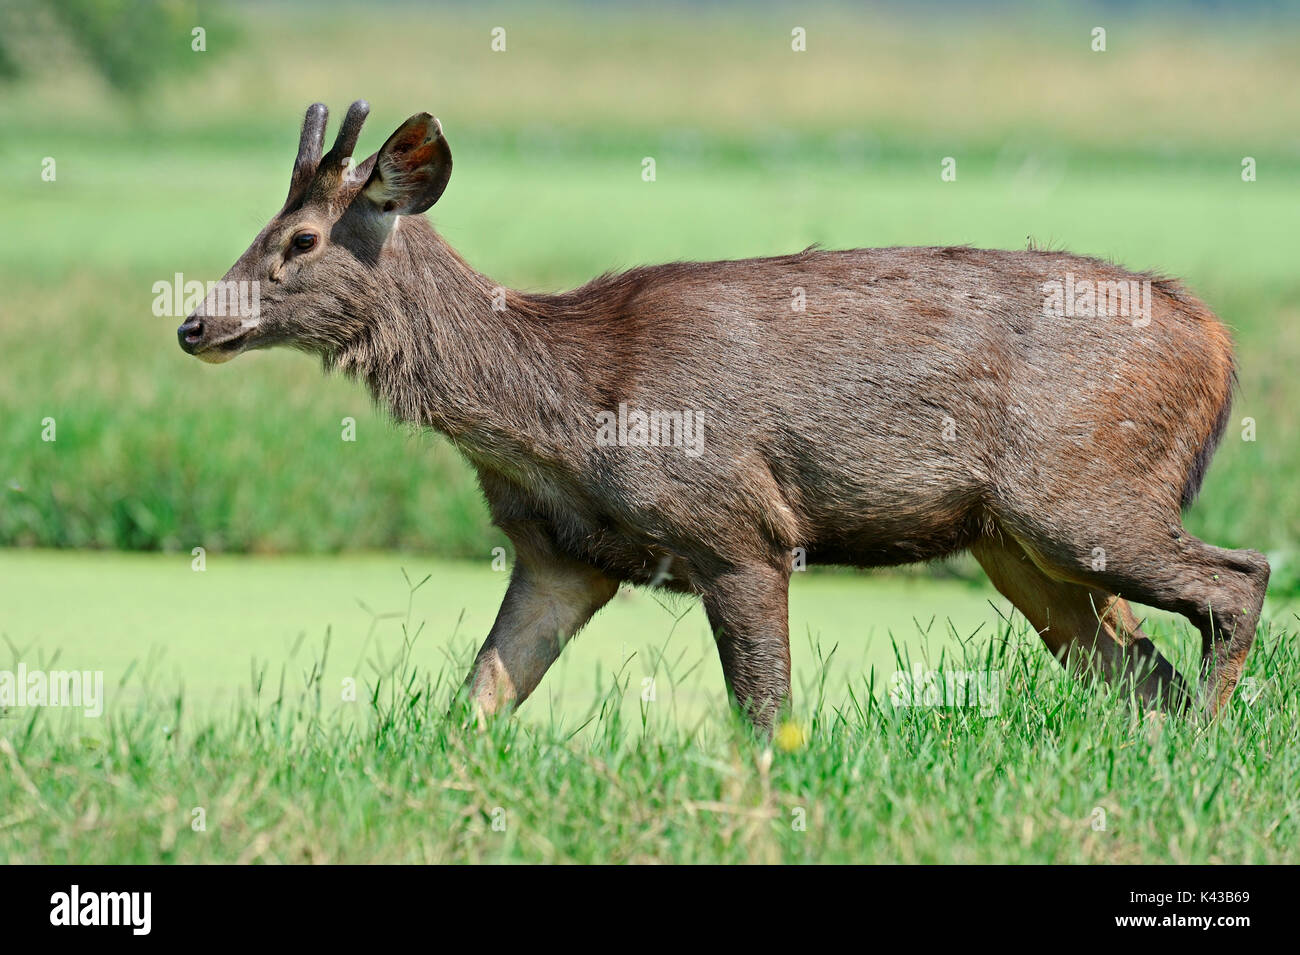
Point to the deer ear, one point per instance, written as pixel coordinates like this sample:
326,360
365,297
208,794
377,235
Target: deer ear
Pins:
411,169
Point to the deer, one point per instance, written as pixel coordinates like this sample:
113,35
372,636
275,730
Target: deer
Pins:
920,403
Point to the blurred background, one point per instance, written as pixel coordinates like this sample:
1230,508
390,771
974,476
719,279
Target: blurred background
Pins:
143,139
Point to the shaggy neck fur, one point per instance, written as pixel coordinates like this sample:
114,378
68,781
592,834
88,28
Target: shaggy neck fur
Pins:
452,350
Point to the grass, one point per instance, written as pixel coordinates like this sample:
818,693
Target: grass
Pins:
244,717
153,622
759,151
154,451
284,771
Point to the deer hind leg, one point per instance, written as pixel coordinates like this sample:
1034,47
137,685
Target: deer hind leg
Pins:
1228,626
1087,629
550,598
1150,559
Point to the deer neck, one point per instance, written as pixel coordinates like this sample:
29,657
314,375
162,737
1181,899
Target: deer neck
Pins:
460,353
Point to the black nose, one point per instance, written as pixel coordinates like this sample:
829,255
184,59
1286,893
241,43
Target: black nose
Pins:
190,334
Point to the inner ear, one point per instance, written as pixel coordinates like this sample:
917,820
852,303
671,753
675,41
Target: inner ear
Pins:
412,168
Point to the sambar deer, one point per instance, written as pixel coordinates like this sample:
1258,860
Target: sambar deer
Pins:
918,402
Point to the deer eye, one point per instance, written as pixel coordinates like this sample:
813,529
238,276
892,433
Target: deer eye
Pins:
304,241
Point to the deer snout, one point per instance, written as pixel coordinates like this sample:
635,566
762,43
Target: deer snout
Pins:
214,338
190,334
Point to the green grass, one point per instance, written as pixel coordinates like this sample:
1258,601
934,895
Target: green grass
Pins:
153,617
155,451
1132,154
240,715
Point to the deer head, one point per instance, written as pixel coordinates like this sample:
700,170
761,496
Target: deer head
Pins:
335,251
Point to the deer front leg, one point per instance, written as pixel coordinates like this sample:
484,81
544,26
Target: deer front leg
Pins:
549,600
747,608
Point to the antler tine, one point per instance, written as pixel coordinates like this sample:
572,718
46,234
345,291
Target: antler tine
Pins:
310,145
350,131
329,175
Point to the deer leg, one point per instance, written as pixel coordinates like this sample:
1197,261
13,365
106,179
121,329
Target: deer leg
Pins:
550,598
1085,628
1154,561
1227,617
747,609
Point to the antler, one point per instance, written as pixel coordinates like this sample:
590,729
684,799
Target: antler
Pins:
310,145
329,175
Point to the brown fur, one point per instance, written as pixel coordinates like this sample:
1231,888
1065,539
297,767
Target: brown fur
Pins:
920,404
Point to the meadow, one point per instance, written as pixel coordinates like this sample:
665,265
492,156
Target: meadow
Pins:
224,685
759,151
228,734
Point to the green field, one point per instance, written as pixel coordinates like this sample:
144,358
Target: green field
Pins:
224,693
164,627
759,151
224,687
